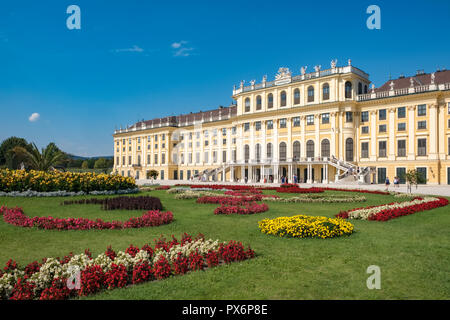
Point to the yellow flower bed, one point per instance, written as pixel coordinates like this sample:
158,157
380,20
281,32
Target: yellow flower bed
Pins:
302,226
21,180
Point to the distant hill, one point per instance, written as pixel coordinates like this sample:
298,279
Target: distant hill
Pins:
74,157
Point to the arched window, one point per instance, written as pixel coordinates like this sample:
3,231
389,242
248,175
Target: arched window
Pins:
360,88
310,94
269,151
326,91
296,150
270,101
365,88
258,152
246,152
325,148
296,96
247,104
349,149
310,149
282,151
283,99
348,89
258,103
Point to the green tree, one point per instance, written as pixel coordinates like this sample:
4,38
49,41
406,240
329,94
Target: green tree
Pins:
101,163
85,165
152,174
7,156
43,160
413,177
91,162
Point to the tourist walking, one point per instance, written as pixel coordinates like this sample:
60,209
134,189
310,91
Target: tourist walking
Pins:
387,183
396,182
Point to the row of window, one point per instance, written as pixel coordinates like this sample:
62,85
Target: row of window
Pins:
282,123
163,136
282,150
296,96
401,113
401,148
401,126
325,151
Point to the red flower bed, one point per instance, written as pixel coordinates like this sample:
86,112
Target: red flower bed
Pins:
357,190
247,208
16,217
229,200
93,278
296,189
288,185
249,192
389,214
162,188
228,187
121,203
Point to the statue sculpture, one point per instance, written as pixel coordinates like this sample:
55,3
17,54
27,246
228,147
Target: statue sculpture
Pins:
333,63
303,70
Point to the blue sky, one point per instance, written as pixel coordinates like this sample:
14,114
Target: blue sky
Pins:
136,60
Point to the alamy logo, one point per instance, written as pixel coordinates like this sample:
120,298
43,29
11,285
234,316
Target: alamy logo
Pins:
74,280
74,20
374,20
374,281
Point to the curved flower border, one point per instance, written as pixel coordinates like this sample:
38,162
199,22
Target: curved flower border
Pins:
82,275
16,217
394,210
324,199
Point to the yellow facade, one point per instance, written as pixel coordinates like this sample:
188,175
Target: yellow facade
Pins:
323,126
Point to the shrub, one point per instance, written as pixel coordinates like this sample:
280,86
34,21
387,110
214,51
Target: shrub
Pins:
248,208
21,180
122,203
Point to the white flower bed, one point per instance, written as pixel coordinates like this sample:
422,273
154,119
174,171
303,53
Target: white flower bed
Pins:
189,194
365,213
322,199
31,193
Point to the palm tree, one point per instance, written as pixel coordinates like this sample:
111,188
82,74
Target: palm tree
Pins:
40,160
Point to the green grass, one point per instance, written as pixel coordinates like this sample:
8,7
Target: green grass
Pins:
412,251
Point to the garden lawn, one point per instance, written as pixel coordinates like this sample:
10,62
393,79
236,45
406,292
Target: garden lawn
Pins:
412,251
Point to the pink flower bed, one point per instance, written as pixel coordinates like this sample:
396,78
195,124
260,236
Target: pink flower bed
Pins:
17,217
294,189
229,200
247,208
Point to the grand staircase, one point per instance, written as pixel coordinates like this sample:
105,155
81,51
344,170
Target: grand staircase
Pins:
348,172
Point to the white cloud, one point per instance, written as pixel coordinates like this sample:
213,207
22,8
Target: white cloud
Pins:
134,48
34,117
177,45
182,50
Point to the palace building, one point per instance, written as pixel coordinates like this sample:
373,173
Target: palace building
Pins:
324,126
